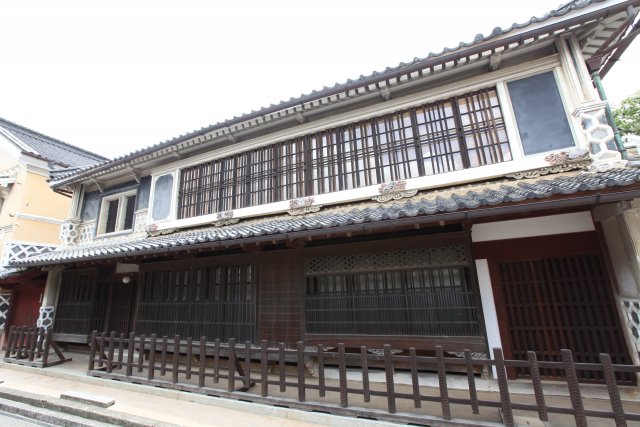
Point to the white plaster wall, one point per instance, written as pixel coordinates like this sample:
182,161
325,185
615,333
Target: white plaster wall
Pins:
620,256
531,227
488,307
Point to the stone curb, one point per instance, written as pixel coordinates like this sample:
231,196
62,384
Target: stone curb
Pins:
79,410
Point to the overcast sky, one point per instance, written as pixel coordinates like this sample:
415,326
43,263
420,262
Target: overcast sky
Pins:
116,76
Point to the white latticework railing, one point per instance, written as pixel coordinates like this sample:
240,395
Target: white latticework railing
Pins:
14,251
5,300
631,308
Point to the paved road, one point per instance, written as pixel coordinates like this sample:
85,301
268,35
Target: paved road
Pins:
12,420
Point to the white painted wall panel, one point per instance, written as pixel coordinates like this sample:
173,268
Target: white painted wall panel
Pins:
531,227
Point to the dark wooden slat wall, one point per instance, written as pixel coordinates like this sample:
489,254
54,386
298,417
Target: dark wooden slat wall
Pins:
281,298
553,292
81,302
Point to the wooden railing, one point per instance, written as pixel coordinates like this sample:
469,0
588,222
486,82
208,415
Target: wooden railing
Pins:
268,374
31,347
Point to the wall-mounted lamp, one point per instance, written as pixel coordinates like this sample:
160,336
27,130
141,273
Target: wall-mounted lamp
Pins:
126,279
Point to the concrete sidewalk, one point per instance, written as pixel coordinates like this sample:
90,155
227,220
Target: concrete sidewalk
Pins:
168,406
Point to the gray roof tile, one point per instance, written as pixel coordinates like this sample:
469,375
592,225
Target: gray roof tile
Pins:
387,73
465,198
49,149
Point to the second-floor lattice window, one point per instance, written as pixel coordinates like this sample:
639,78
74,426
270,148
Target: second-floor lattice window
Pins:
453,134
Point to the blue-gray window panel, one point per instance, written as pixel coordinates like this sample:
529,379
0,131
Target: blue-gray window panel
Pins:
542,121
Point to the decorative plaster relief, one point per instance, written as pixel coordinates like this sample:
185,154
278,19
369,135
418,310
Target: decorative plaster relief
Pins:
394,190
69,232
631,308
303,205
5,302
140,221
537,173
225,218
599,136
45,320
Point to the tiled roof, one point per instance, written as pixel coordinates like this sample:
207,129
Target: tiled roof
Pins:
46,148
457,202
8,272
417,65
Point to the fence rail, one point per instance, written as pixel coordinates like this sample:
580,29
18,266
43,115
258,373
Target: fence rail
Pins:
31,347
270,375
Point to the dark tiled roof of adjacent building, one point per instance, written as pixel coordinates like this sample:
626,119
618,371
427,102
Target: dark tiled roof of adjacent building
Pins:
453,203
405,68
46,148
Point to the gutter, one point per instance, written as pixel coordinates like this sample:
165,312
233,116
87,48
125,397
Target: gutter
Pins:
373,79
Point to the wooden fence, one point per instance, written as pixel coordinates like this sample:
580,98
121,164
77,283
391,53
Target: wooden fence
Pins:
31,347
280,376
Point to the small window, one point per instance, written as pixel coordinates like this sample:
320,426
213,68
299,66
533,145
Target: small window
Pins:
540,114
117,213
161,207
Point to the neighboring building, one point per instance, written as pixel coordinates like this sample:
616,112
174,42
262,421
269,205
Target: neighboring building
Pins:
30,213
474,198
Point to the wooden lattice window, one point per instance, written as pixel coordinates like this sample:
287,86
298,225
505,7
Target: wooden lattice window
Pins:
81,303
422,292
215,301
453,134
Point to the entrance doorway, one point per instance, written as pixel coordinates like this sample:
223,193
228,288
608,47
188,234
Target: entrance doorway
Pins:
554,302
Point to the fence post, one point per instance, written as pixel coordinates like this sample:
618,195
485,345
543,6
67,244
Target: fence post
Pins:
388,370
92,350
131,349
216,361
342,369
112,343
471,380
417,402
203,360
264,365
612,388
366,392
505,399
121,349
321,385
574,388
12,331
189,357
33,341
47,347
247,364
151,370
301,384
442,383
231,380
142,339
281,366
537,386
176,358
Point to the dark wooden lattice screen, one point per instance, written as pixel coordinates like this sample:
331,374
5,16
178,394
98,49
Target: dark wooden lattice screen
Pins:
81,303
452,134
562,302
215,301
408,292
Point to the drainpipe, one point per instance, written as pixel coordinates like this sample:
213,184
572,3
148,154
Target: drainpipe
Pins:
597,82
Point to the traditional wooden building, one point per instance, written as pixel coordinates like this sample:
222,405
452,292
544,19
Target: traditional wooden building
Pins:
31,214
473,198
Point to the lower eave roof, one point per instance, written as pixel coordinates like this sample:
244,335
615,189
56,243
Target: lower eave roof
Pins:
499,197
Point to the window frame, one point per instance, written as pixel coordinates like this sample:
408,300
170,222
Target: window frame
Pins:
497,79
512,127
174,172
120,215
